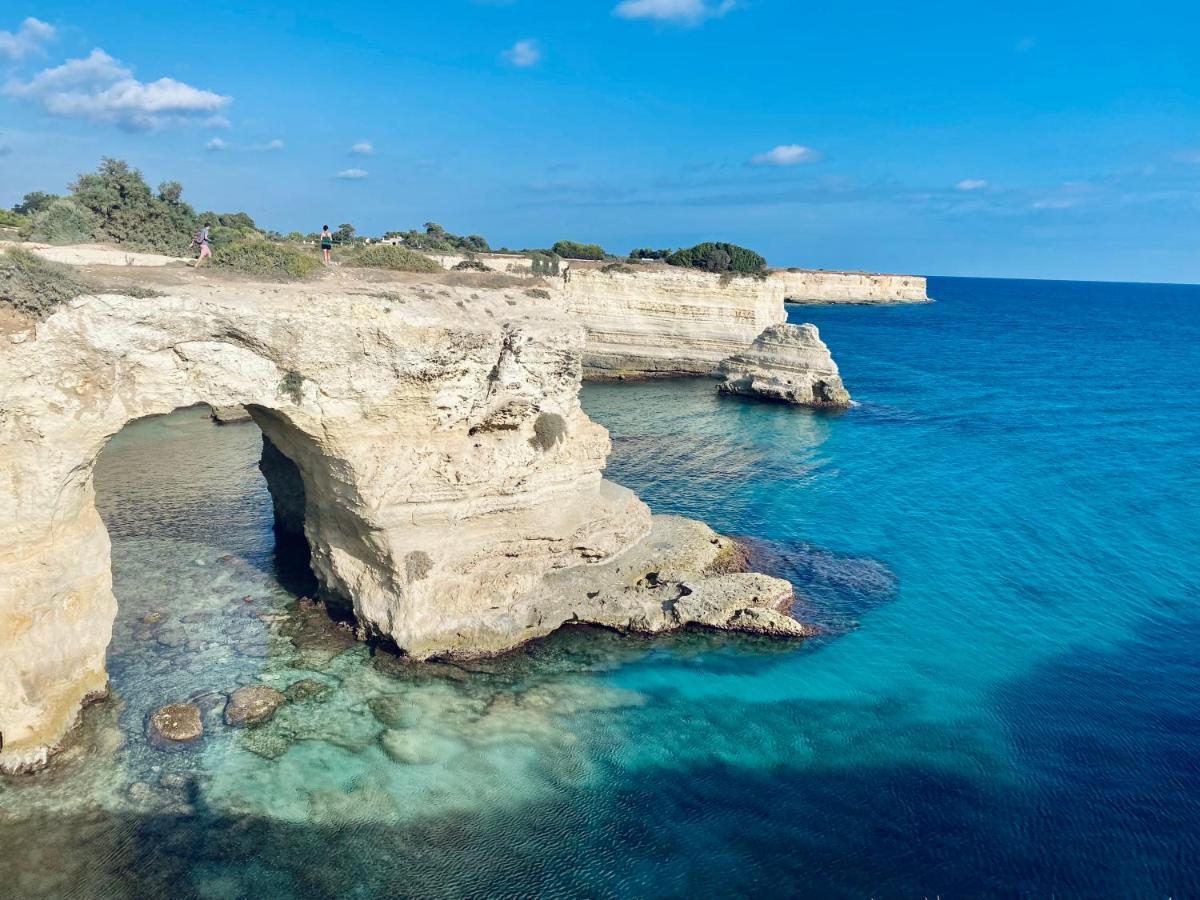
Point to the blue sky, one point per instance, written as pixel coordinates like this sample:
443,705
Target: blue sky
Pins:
1030,139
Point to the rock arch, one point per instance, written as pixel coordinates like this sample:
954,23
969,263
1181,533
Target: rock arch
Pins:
428,493
451,482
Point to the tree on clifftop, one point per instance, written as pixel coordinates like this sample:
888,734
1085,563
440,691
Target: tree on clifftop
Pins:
719,257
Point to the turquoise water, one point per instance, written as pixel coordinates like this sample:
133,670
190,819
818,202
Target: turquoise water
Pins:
1002,541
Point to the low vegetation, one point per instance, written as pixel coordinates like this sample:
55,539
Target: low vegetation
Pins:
470,265
576,250
719,257
436,238
539,293
391,256
648,253
255,256
541,263
35,286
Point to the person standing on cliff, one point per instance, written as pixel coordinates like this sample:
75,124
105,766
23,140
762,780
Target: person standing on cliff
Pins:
326,243
202,239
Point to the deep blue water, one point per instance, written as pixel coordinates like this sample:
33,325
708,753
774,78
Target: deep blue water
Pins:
1011,517
1001,540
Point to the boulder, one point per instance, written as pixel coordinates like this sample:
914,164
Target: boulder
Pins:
252,705
177,723
788,363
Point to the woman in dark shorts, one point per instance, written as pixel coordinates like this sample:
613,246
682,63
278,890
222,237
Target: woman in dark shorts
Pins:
326,243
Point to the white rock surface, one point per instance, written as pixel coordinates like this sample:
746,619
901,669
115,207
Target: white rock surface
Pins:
452,483
97,255
820,286
789,363
656,321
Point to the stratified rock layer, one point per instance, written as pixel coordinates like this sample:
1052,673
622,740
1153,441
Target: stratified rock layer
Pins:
451,483
789,363
819,286
665,321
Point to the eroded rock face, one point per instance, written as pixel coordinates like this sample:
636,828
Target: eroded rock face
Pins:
789,363
452,492
656,322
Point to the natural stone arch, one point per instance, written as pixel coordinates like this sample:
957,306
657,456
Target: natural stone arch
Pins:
413,434
452,489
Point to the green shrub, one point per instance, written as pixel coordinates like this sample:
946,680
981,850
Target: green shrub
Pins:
540,293
541,263
127,212
34,202
471,265
34,285
63,222
648,253
258,257
437,238
390,256
617,269
576,250
719,257
10,219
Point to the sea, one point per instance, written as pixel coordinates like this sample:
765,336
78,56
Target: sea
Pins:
1000,541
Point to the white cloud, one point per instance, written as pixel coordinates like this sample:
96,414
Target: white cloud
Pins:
786,155
352,173
276,144
971,184
26,40
363,148
100,89
524,54
215,144
679,12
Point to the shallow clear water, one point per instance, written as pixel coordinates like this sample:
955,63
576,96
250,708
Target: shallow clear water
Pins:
1002,541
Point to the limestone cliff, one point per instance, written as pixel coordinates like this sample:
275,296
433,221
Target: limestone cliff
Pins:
820,286
661,321
789,363
451,483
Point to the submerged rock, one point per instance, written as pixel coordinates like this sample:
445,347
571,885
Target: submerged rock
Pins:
177,722
789,363
252,705
305,689
229,415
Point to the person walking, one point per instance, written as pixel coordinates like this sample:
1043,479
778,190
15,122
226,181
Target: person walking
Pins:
202,239
326,243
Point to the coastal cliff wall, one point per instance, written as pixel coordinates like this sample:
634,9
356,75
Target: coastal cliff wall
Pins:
812,286
663,321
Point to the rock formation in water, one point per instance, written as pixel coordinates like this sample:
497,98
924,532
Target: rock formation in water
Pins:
176,723
664,321
789,363
230,415
252,704
820,286
451,484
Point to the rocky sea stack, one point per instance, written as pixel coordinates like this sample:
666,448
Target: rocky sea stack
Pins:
788,363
